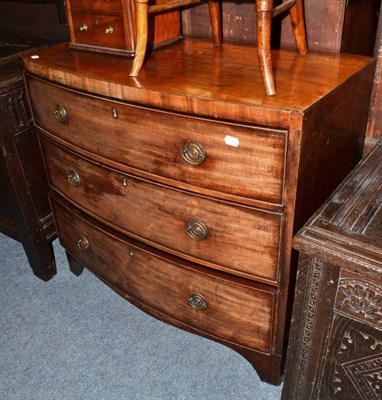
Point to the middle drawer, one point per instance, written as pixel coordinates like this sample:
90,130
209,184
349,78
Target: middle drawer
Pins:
238,239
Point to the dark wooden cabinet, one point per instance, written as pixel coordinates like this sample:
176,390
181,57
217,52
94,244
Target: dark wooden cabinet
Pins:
183,186
335,346
25,214
360,26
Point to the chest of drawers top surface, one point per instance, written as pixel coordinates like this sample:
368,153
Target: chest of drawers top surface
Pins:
195,77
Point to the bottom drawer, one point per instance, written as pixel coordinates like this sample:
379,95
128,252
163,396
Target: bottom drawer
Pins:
215,303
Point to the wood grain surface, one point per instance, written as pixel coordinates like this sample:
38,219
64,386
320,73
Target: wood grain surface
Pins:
242,240
236,312
241,161
195,77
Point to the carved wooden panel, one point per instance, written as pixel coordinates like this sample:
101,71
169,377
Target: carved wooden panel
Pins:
24,208
314,279
18,110
360,299
311,321
353,368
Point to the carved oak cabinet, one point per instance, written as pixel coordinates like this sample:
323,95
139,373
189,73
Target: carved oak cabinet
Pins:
181,189
25,214
335,347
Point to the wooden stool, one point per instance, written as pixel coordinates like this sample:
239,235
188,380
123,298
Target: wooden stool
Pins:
265,11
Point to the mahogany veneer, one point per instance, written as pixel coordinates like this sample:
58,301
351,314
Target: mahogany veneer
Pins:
183,187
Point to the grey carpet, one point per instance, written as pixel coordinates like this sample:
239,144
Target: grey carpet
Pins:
75,339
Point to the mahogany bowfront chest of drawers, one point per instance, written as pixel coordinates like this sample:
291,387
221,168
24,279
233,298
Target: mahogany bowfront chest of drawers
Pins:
181,189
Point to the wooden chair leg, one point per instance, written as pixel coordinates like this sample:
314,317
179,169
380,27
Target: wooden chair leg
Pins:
298,25
141,12
215,18
263,43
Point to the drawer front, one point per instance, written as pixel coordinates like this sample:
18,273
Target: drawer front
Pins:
238,239
235,312
97,6
99,30
241,161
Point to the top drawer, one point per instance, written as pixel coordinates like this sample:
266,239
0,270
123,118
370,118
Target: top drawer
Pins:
96,5
237,160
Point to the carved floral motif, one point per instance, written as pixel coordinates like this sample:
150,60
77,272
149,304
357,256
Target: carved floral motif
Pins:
360,299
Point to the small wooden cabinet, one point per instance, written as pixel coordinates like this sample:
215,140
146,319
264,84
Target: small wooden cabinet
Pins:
109,26
181,189
335,346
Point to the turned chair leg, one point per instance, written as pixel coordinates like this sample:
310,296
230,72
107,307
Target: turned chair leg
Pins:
264,13
142,12
214,10
263,43
142,15
298,25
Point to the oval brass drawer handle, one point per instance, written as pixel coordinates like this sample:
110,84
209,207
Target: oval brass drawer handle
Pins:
197,229
83,28
83,243
109,30
193,153
74,178
60,114
197,301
